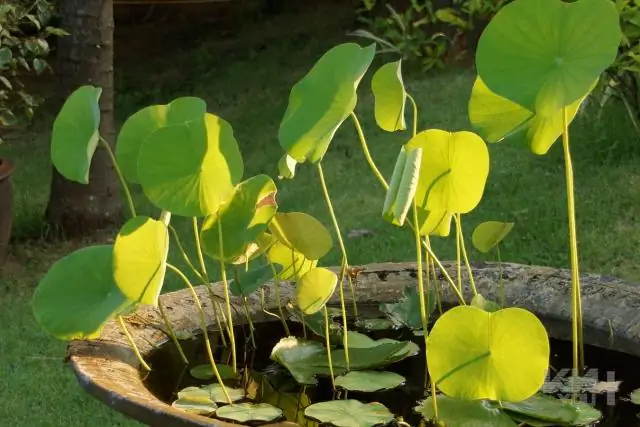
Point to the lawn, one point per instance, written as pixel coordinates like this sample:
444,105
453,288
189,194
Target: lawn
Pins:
246,81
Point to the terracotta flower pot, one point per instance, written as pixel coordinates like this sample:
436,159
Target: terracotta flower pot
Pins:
6,207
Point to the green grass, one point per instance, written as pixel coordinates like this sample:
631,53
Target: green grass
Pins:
247,82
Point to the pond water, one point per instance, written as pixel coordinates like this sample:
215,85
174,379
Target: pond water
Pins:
169,375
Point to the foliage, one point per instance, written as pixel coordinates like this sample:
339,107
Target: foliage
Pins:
25,28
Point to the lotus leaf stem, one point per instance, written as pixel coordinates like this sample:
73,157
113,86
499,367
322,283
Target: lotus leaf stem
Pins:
328,343
172,334
276,282
133,345
123,182
196,235
225,286
464,253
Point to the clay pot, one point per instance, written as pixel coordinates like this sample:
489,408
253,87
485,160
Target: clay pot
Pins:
6,207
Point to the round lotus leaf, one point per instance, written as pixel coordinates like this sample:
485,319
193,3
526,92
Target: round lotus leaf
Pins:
472,351
78,295
545,54
196,405
140,259
458,412
434,223
389,97
543,408
75,134
321,101
245,412
314,289
143,123
303,233
294,264
453,170
213,392
191,168
205,372
349,413
241,218
489,234
370,381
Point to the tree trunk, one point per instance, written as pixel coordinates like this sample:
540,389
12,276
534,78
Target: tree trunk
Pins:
86,57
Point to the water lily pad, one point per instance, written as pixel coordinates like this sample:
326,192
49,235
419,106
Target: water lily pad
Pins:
294,264
634,396
471,351
349,413
205,372
303,359
247,282
403,186
543,408
369,381
315,323
146,121
406,312
321,101
315,288
75,134
191,168
243,217
140,259
78,295
453,170
196,405
489,234
389,97
212,391
545,74
458,412
303,233
292,403
245,412
375,324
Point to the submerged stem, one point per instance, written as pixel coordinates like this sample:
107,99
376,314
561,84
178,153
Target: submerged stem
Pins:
328,342
123,182
172,334
216,312
276,282
578,350
464,254
225,285
203,325
133,345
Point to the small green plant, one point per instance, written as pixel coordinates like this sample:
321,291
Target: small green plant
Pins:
188,163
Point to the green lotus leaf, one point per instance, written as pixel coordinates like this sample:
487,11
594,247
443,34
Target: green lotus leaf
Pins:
191,168
453,170
212,391
245,412
205,372
484,304
403,186
389,97
146,121
247,282
76,134
370,381
303,359
459,412
286,167
321,101
78,295
406,312
196,405
294,264
545,54
258,247
242,218
546,409
314,289
303,233
140,259
489,234
349,413
472,353
436,223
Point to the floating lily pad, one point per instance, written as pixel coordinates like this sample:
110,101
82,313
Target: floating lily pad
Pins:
250,281
212,391
190,169
314,289
245,412
457,412
489,234
403,186
315,323
146,121
349,413
303,359
75,134
292,404
294,264
303,233
471,351
635,396
321,101
370,381
375,324
196,405
140,259
545,74
406,312
242,218
78,295
541,410
205,372
389,97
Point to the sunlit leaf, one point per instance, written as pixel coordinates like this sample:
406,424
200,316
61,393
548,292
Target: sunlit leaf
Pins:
205,372
546,73
212,391
75,134
242,218
389,97
143,123
321,101
140,259
196,405
314,289
403,186
294,264
286,167
457,412
245,412
303,233
303,359
255,249
472,351
489,234
349,413
369,381
635,396
437,223
190,169
78,295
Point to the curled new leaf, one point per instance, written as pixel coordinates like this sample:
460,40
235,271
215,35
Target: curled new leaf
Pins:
403,186
286,167
389,97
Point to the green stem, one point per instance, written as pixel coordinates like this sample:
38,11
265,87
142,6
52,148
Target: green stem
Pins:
133,345
248,315
225,285
278,296
263,305
367,154
203,325
464,253
172,334
296,274
345,335
578,349
502,290
328,342
458,257
216,312
415,114
423,308
123,182
185,257
196,234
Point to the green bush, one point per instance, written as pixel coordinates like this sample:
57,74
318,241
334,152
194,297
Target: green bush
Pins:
24,30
